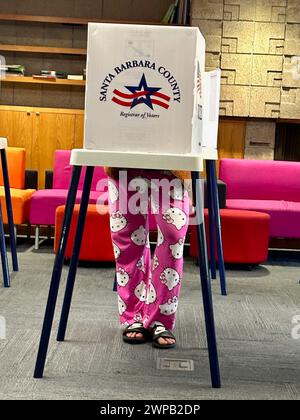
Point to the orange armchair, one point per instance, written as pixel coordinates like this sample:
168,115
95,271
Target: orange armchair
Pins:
20,197
96,241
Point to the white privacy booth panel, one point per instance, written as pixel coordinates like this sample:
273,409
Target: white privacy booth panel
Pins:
211,106
83,157
149,102
143,88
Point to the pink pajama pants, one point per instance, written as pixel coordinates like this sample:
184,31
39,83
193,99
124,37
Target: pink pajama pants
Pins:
148,288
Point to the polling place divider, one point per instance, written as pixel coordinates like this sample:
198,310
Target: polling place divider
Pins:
158,113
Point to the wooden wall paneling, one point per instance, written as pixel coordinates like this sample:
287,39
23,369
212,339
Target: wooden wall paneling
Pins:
114,10
30,33
45,8
77,96
22,133
231,138
136,10
42,49
79,36
79,131
55,131
27,94
35,150
16,126
6,93
6,125
57,35
8,33
8,6
153,10
87,8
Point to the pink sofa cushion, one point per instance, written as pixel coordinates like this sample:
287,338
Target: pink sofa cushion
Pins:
257,205
44,203
261,179
285,215
63,170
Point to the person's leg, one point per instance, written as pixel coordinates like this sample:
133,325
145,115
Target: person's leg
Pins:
129,234
167,267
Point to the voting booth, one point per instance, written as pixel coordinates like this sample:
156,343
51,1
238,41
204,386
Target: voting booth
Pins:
147,90
149,104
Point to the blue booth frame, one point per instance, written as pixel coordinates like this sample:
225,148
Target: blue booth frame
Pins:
215,232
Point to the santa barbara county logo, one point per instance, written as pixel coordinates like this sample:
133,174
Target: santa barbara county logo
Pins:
142,93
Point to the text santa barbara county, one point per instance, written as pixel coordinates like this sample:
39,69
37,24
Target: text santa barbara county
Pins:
144,64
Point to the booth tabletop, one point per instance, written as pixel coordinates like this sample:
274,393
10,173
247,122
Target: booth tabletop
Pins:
3,143
183,162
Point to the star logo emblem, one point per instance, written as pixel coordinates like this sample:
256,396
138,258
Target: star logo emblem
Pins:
143,93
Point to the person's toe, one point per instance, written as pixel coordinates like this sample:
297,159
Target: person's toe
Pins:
165,341
134,335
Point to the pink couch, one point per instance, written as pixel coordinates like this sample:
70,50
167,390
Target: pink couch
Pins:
271,187
45,202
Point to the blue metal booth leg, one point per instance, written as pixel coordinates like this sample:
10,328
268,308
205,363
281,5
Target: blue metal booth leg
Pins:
4,261
75,255
9,211
212,230
211,168
115,284
56,275
206,285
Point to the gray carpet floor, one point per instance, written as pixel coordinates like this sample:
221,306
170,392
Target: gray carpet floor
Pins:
259,359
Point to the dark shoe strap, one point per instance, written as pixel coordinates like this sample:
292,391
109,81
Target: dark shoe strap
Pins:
137,327
160,331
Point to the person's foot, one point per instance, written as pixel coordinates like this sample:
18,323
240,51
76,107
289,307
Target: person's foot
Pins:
162,337
135,333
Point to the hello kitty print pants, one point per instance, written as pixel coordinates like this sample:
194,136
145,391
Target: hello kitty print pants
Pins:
148,288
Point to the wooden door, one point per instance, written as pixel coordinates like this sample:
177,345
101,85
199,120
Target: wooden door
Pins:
17,127
231,139
6,125
79,131
51,131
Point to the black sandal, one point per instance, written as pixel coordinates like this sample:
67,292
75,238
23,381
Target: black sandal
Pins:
136,327
160,331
